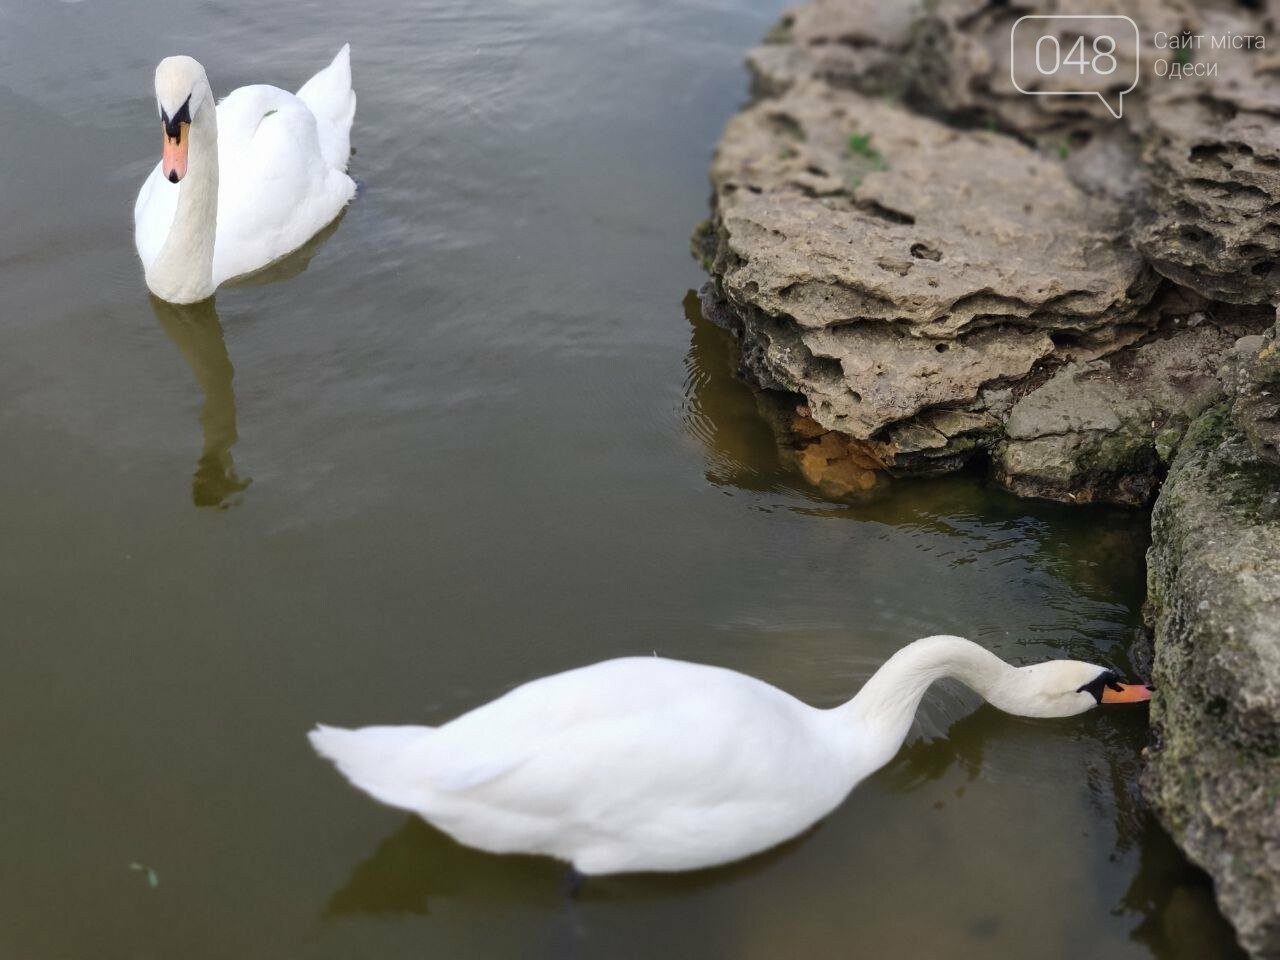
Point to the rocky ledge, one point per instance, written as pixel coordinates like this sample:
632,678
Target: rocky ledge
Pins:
925,269
1213,598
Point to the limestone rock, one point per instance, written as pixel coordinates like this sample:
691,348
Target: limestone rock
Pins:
1253,379
938,441
1214,604
834,208
1105,429
886,375
961,52
857,44
844,241
1213,161
1209,176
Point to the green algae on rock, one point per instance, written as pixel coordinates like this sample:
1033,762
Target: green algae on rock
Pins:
1214,604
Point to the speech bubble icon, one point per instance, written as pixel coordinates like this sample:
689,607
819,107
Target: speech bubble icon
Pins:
1075,55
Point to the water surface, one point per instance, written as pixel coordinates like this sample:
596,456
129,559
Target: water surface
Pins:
482,436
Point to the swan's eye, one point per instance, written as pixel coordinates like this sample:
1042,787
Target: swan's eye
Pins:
1108,678
173,125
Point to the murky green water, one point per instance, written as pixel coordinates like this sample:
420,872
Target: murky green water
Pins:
476,441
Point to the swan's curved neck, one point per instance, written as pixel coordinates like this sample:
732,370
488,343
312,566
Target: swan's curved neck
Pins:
182,272
883,709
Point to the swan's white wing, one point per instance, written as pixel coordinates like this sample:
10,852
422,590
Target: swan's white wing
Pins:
658,720
685,718
275,190
239,114
329,97
642,725
541,717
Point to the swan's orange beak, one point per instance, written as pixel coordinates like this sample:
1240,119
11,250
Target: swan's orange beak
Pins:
1128,693
173,162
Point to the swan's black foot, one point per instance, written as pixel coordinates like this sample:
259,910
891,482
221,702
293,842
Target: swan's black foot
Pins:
573,882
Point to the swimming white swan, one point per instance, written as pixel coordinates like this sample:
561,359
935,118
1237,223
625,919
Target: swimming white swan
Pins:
645,763
243,183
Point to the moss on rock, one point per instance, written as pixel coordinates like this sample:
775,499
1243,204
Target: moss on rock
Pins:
1213,602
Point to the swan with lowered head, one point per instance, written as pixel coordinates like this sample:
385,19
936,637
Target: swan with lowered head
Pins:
244,182
644,763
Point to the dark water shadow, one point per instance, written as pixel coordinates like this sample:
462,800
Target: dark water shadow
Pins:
720,410
197,333
1096,548
1170,899
417,863
1178,918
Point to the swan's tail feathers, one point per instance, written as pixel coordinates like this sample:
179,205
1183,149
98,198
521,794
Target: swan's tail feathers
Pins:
330,98
377,760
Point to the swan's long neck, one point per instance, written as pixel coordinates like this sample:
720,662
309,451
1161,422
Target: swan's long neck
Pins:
880,715
182,272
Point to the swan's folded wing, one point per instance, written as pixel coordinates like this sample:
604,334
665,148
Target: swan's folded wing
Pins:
457,773
276,190
330,98
680,731
241,112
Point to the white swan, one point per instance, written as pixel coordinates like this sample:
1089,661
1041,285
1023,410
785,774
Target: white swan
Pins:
645,763
243,183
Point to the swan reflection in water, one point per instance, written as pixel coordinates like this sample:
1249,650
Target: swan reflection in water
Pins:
197,333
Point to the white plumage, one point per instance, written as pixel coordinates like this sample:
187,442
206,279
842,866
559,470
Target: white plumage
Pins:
279,177
645,763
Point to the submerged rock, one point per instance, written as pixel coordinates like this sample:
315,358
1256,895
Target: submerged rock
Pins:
1214,604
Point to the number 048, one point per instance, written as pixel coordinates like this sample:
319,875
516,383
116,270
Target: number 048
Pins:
1103,62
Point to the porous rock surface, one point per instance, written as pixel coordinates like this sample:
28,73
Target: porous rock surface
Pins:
1106,429
1214,603
848,43
862,279
1199,156
1253,384
1211,156
925,268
